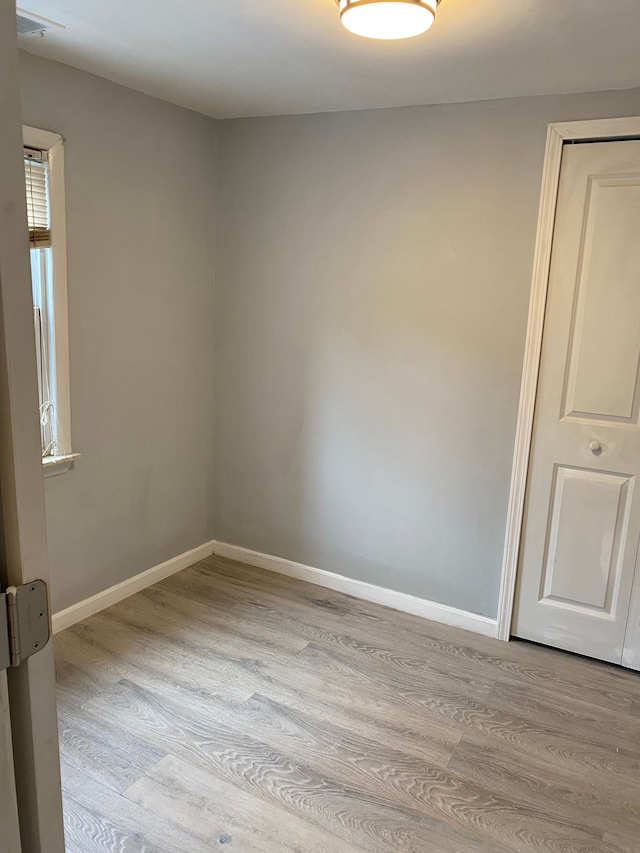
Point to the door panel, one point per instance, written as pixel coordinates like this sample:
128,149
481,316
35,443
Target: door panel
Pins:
589,522
582,514
612,226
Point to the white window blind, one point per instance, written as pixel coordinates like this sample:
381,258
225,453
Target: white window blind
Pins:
36,175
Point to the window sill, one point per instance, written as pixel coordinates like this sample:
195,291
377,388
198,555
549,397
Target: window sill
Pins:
54,465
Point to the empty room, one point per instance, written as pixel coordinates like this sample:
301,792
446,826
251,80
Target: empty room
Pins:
320,426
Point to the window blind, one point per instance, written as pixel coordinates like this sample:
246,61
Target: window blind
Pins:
36,175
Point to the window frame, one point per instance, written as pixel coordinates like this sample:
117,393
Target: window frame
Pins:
53,145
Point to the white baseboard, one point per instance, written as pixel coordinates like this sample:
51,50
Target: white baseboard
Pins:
360,589
83,609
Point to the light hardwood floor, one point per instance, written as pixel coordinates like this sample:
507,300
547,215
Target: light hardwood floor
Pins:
231,709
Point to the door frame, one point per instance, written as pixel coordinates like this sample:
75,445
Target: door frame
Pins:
8,798
558,134
30,686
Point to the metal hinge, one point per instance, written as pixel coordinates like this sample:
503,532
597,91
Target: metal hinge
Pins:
24,610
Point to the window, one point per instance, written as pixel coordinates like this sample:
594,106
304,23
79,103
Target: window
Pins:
44,180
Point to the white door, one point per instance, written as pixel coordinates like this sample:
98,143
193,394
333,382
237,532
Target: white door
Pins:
30,801
582,515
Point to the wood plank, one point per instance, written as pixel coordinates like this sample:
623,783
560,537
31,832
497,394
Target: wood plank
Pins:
576,796
569,712
149,657
98,820
211,578
326,600
262,611
193,623
112,756
223,814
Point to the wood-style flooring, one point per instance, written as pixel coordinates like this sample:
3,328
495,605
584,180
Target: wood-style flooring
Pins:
231,709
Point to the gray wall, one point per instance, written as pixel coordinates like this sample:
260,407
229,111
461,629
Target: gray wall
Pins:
372,281
140,219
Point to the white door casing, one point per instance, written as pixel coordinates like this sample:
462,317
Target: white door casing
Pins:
582,518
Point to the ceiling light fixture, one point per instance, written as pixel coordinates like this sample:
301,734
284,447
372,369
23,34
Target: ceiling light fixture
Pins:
387,19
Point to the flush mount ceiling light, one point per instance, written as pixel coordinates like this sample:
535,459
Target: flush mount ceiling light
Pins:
387,19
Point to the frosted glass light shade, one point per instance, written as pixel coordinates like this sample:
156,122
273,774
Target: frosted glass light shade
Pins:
387,19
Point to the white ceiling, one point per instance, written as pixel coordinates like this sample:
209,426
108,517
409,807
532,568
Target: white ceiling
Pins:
230,58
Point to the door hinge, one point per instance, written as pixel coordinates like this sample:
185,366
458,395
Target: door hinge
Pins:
24,610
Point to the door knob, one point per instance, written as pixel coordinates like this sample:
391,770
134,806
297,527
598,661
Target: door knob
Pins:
595,446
